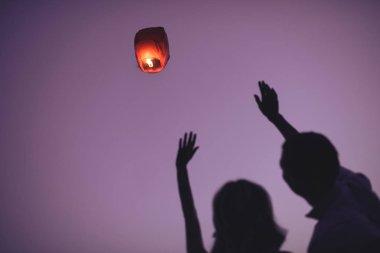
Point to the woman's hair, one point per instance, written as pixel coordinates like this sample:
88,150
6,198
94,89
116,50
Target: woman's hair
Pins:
243,219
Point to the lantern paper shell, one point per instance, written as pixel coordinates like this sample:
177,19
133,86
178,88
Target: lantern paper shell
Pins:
152,49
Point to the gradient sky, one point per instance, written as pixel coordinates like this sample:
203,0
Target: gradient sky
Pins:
88,141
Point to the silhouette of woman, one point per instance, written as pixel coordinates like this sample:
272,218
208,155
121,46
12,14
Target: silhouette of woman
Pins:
242,213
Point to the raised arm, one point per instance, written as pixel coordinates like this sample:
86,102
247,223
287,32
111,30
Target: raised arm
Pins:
268,105
186,151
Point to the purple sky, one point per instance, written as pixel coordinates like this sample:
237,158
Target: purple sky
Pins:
88,141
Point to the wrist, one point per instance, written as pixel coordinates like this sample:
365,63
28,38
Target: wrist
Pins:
275,118
181,167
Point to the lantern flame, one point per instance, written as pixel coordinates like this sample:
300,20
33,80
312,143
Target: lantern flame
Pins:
149,62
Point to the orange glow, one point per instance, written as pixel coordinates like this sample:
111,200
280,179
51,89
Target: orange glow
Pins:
152,49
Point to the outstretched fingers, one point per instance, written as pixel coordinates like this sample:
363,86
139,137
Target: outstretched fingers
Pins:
266,92
264,88
192,142
191,139
184,143
263,92
188,141
258,101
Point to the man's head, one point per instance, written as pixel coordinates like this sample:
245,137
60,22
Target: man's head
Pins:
310,165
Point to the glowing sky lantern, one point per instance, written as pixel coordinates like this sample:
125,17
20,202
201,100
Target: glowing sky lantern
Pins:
152,49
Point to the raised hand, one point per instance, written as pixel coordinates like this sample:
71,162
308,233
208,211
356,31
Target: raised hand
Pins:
268,104
186,150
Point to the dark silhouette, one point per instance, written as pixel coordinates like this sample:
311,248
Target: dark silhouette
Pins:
242,213
343,203
303,169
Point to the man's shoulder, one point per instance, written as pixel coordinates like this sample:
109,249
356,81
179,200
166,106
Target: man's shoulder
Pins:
351,220
343,223
357,178
344,232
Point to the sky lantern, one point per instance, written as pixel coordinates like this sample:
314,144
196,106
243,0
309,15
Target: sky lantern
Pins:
152,49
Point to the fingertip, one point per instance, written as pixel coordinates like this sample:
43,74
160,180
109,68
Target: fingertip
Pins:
262,87
257,99
184,142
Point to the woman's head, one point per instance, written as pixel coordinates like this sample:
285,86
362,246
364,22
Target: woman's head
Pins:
243,219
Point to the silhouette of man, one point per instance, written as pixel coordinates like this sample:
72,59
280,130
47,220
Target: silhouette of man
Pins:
343,203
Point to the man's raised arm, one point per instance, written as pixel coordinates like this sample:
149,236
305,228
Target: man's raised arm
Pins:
268,105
